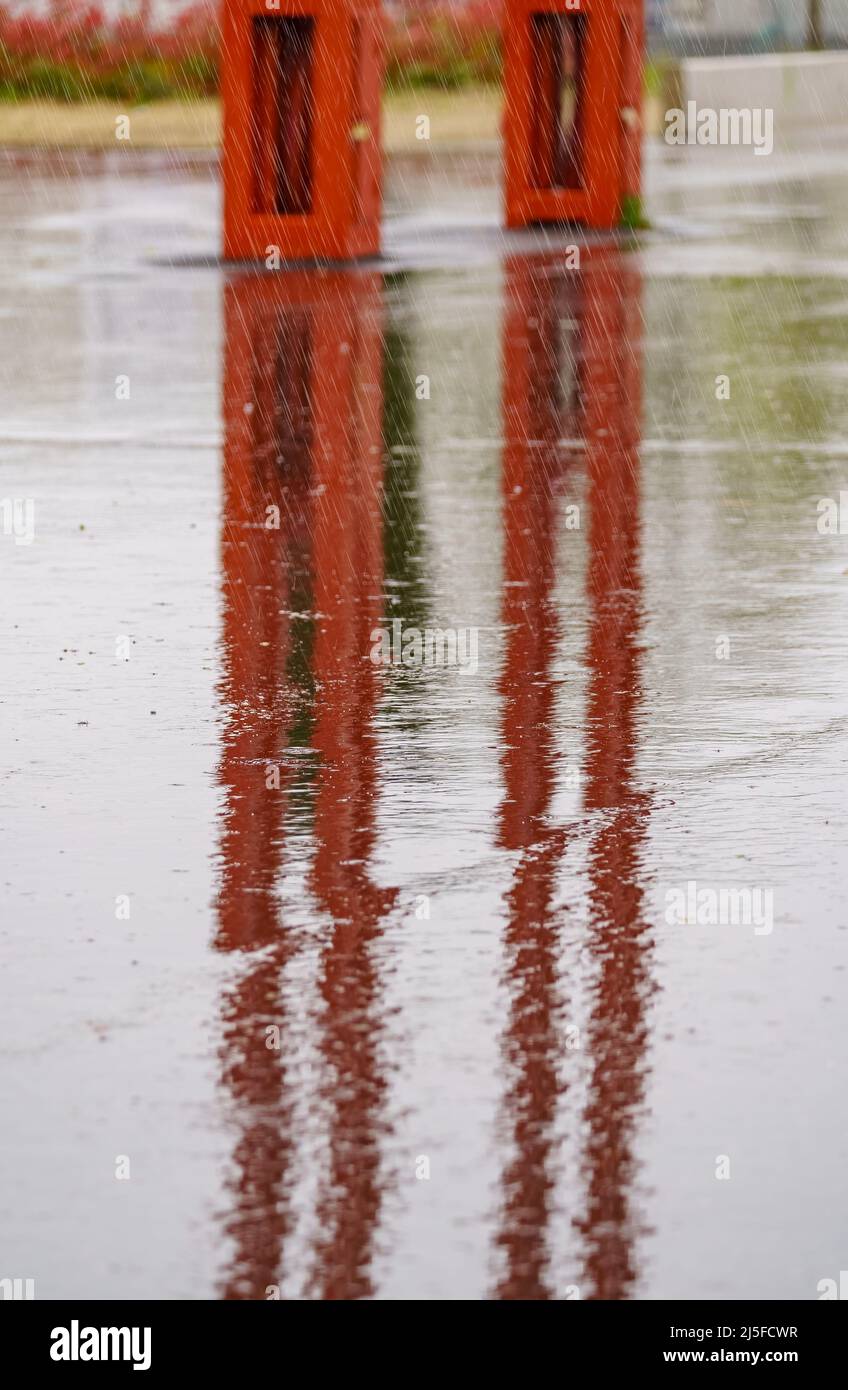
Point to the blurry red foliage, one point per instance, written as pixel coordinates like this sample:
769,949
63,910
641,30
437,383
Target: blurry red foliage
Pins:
79,54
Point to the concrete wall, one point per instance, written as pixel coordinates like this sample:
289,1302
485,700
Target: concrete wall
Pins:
800,88
713,26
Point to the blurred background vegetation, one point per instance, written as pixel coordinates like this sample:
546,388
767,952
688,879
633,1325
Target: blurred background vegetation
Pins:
78,54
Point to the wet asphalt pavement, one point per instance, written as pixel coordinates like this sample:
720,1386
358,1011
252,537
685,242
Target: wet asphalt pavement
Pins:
344,977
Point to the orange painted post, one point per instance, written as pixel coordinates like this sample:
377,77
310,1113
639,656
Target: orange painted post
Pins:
573,105
301,84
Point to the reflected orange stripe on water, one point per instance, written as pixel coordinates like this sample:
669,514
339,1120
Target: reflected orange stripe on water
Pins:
303,422
588,388
303,406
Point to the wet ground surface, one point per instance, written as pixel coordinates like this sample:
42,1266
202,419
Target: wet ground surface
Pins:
366,974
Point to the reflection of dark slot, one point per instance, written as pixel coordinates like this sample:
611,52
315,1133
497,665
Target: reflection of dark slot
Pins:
570,371
282,132
294,400
282,401
558,72
554,394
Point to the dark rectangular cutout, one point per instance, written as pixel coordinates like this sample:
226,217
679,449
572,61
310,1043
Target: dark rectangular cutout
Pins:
282,115
559,50
358,131
282,423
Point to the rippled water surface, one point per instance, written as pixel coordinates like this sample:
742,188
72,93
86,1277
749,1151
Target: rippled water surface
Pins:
366,971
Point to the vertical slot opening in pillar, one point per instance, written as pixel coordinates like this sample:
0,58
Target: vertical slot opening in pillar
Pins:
558,45
282,115
359,127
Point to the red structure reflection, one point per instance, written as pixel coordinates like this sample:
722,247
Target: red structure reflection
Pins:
538,403
302,565
571,372
620,941
348,594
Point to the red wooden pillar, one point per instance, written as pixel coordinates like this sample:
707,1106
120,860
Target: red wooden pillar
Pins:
572,127
300,85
